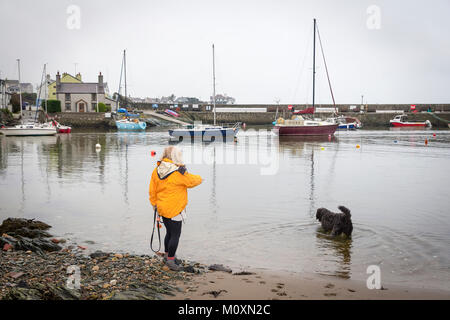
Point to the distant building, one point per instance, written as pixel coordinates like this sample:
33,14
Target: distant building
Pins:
82,96
169,99
12,86
223,99
189,100
5,96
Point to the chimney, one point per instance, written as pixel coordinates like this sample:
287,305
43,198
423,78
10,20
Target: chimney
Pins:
78,76
58,79
100,82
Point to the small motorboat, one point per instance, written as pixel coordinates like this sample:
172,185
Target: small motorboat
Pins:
61,128
348,123
402,121
172,113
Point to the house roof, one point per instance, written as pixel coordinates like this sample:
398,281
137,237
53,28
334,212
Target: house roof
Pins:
85,87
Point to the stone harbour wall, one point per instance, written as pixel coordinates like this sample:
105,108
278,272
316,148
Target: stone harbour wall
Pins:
84,119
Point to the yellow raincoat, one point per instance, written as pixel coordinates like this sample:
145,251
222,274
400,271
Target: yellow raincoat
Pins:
168,188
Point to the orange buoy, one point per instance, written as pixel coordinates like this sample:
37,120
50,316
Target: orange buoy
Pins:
358,146
426,141
153,153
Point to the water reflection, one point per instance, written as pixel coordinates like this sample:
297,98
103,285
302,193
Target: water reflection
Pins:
213,199
103,197
337,249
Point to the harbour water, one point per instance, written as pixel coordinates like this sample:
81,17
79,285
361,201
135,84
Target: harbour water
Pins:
256,206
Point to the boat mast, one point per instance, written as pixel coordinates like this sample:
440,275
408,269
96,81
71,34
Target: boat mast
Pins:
314,66
120,86
20,90
45,88
214,86
38,95
125,74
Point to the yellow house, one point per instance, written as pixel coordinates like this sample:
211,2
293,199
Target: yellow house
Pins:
65,78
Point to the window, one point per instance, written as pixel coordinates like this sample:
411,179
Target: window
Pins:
68,107
67,96
94,106
94,97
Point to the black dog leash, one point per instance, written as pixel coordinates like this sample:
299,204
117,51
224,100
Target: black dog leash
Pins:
158,225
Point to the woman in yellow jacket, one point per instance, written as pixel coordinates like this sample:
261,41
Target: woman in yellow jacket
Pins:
168,194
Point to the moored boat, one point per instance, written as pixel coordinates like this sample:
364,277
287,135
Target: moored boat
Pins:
172,113
348,123
29,129
402,121
130,122
60,128
299,126
131,125
205,132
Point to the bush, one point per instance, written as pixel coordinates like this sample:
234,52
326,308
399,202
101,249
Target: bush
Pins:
53,106
101,107
6,112
15,102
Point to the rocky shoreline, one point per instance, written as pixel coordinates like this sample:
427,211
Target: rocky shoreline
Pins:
35,267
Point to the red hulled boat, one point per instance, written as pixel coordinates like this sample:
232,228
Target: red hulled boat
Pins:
297,125
402,121
61,128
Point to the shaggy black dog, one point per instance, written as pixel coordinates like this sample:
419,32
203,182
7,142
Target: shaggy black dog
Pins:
336,222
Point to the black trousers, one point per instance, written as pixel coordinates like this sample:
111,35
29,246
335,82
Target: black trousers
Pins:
173,232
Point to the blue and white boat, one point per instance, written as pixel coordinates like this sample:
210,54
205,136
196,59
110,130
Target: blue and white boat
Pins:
131,125
346,123
129,121
206,132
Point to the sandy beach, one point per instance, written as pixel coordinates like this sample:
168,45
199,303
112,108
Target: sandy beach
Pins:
266,285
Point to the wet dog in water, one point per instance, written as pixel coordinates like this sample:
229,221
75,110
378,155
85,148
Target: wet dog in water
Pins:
336,222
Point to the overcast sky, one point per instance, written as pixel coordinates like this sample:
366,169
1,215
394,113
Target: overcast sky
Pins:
391,51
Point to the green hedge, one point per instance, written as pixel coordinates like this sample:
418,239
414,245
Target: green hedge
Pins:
52,106
15,102
103,107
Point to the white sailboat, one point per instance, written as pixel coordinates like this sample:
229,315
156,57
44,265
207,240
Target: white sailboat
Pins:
206,132
30,128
